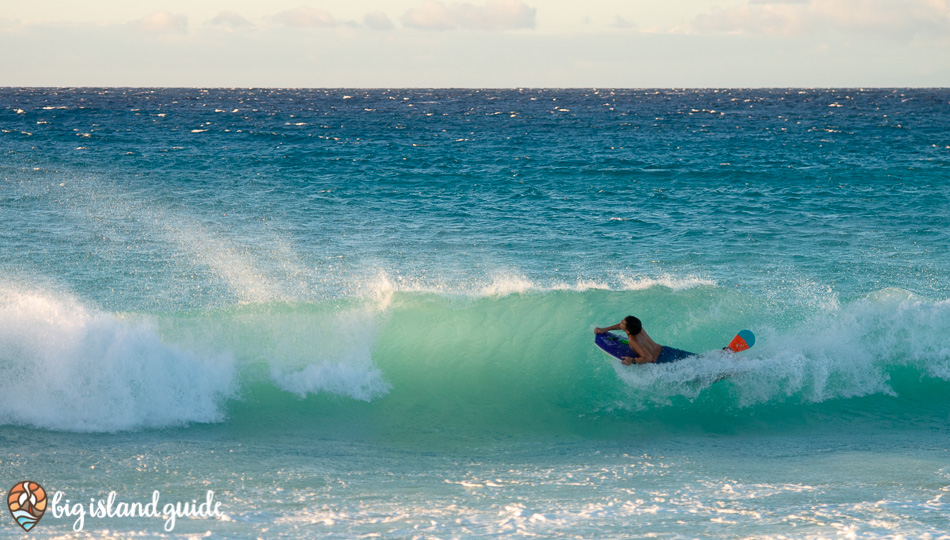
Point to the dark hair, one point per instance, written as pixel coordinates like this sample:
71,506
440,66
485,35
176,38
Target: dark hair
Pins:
634,326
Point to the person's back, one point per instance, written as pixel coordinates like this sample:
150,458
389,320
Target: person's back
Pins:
647,345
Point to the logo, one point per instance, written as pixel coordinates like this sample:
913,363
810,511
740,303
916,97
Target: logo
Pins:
28,501
27,504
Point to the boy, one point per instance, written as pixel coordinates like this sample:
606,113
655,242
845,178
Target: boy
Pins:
647,350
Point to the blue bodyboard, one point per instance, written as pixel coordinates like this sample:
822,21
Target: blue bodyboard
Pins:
614,345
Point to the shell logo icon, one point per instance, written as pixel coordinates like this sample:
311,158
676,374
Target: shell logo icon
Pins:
27,503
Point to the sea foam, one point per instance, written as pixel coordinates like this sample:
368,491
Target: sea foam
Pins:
847,350
65,365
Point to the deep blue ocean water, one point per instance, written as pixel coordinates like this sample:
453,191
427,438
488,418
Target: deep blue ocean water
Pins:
370,312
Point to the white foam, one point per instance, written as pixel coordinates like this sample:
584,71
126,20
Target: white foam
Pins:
501,284
66,366
339,378
383,286
331,352
674,283
508,284
842,351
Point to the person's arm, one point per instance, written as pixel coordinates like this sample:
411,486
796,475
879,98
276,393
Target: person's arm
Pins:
608,329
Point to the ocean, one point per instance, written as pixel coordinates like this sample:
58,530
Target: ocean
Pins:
364,313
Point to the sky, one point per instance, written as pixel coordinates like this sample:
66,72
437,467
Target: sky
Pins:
476,43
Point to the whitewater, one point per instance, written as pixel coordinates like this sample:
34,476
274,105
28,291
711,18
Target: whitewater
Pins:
371,312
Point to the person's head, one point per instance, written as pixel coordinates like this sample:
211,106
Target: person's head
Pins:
632,325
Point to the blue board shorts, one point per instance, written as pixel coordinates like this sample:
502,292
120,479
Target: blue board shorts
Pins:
669,354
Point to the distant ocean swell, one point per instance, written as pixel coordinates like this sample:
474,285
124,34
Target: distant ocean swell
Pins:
506,351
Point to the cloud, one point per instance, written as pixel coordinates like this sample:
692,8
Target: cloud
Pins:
162,22
494,15
888,18
231,21
378,21
433,15
305,17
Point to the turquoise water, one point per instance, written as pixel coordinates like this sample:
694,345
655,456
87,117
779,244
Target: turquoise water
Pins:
355,312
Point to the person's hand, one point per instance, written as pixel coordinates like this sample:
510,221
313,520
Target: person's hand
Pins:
626,360
599,331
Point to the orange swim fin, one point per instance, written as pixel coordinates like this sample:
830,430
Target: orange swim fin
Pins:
743,340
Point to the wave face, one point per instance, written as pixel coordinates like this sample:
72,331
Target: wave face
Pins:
478,362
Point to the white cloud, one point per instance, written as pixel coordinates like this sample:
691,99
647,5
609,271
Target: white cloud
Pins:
887,18
493,15
433,15
305,17
231,21
163,22
378,21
